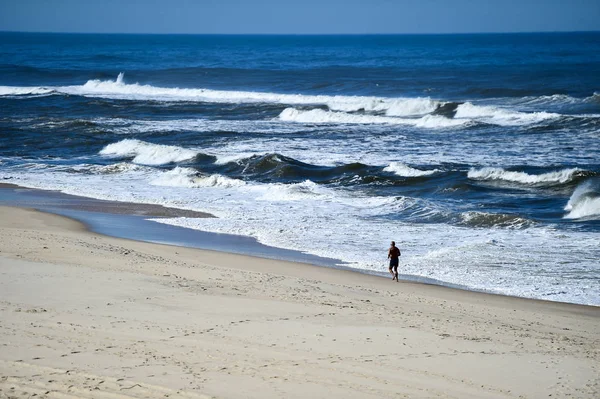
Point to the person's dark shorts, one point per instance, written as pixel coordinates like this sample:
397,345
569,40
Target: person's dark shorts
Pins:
394,262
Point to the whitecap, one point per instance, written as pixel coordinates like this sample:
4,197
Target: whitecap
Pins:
148,153
585,201
403,170
188,177
500,116
488,173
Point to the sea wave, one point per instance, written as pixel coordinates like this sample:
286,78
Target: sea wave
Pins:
499,116
438,121
119,89
554,99
403,170
133,126
23,91
190,178
306,189
488,173
319,116
148,153
585,201
497,220
117,168
405,106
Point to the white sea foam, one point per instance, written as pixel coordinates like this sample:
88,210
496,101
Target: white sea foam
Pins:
321,116
406,171
389,106
585,201
412,106
133,126
438,121
561,176
22,91
318,116
147,153
236,158
556,99
188,177
294,192
120,167
500,116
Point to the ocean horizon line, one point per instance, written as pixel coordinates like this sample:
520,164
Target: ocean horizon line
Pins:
302,34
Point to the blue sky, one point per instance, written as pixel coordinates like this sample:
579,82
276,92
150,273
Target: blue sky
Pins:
298,16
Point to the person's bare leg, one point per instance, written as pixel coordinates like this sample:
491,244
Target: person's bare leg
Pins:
391,272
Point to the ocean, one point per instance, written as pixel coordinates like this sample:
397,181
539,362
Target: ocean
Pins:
478,154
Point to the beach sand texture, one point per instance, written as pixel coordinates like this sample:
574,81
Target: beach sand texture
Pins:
84,315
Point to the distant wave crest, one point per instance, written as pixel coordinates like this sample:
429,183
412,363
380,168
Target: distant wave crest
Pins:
420,111
24,91
119,89
500,116
318,116
403,170
561,176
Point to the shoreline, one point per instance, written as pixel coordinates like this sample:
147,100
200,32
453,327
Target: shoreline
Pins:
129,220
75,202
83,311
130,217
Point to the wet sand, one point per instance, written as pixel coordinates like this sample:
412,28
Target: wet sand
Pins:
134,221
74,202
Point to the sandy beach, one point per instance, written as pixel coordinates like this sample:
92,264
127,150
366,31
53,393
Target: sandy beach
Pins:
85,315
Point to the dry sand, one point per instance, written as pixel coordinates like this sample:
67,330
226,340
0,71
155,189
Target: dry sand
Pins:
84,315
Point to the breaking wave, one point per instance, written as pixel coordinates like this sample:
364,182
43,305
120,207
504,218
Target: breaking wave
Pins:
133,126
119,89
403,170
113,169
561,176
306,189
188,177
498,220
24,91
585,201
147,153
500,116
321,116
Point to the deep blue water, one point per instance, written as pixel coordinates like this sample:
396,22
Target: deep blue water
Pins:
445,66
479,153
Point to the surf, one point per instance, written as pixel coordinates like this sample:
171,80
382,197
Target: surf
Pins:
585,201
500,174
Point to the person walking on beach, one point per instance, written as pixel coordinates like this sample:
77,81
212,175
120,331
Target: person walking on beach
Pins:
393,255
